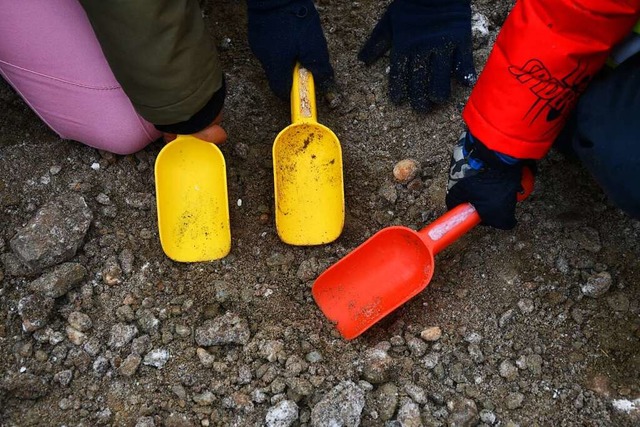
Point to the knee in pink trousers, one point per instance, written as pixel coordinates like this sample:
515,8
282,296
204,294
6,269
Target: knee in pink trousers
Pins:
50,55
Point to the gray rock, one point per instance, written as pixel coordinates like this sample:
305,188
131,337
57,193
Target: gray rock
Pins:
156,358
59,281
126,259
129,366
272,350
388,192
506,317
63,377
386,398
417,346
205,357
534,364
462,413
508,370
376,366
430,360
205,398
479,30
514,400
526,306
597,285
313,357
416,393
488,417
226,329
145,422
34,310
141,344
121,335
147,321
409,414
283,414
308,270
13,266
54,234
79,321
476,353
144,201
100,365
25,386
75,336
342,406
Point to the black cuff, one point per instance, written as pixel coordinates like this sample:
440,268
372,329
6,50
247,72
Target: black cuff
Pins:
480,151
200,119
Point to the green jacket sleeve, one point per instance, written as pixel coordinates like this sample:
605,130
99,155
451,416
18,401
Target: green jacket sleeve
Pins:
161,54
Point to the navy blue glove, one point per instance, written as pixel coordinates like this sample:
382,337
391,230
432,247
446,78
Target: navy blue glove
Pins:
430,40
282,32
489,180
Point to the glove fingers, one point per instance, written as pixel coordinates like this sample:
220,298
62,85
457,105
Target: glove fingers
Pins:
379,41
419,95
440,82
398,78
464,70
495,202
314,56
279,72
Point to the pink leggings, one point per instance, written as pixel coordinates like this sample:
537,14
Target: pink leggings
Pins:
50,55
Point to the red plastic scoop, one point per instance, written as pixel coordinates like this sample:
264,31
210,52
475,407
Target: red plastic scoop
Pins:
390,268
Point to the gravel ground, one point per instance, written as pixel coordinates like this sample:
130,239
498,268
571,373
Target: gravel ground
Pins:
537,326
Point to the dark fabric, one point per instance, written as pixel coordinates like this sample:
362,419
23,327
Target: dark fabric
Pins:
200,119
267,4
161,54
430,40
491,190
280,36
606,137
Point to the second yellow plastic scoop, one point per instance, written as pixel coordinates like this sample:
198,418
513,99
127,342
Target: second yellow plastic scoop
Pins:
307,172
192,203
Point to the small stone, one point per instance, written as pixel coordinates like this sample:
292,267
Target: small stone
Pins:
526,306
205,357
430,361
507,370
121,335
75,336
431,334
283,414
59,281
376,366
226,329
514,400
63,377
597,285
205,398
406,170
462,413
129,366
79,321
156,358
34,311
145,422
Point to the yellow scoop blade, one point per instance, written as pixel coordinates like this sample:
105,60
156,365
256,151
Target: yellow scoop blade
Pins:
192,201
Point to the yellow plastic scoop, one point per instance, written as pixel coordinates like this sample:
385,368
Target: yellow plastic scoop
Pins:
191,193
307,172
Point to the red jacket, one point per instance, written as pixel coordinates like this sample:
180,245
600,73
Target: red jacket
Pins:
544,57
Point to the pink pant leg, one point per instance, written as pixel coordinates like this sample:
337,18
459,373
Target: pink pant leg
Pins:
50,55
